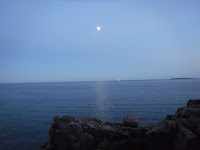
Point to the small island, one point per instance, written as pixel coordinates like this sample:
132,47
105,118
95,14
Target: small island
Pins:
180,78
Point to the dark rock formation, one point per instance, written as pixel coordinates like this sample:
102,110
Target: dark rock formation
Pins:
177,132
131,121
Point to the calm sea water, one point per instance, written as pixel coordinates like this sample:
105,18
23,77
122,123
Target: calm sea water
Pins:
26,110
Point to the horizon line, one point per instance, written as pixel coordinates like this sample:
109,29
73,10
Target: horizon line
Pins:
117,80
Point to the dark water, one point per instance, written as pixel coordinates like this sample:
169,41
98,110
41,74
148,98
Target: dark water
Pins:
26,110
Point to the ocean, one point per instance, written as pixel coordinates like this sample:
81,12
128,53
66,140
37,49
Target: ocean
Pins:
27,109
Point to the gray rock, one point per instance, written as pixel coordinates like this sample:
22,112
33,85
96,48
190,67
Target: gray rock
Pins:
74,129
161,134
177,132
184,138
46,146
56,122
193,102
188,112
85,142
198,131
131,121
163,127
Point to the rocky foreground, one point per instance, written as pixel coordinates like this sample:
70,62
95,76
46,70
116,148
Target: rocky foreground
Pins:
177,132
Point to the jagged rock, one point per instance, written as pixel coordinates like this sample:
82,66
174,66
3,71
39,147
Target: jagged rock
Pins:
85,142
177,132
131,121
193,102
56,121
188,124
73,129
161,134
185,139
46,146
188,112
198,131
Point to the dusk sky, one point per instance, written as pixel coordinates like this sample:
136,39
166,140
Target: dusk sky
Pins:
45,41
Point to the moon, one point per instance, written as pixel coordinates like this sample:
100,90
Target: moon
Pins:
98,28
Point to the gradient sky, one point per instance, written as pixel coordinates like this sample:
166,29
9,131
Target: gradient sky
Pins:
57,40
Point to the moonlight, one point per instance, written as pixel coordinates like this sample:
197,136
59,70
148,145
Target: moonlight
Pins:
98,28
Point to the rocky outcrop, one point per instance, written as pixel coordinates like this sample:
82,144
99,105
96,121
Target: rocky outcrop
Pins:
131,121
177,132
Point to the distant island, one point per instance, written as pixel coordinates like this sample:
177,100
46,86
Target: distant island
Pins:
180,78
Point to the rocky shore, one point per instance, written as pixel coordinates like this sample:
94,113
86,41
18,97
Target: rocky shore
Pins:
177,132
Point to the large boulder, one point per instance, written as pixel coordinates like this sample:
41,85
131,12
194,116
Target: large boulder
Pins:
131,121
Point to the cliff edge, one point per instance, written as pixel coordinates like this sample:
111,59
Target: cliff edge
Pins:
177,132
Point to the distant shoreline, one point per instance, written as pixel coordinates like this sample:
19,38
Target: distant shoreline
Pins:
180,78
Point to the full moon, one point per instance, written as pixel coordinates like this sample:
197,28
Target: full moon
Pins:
98,28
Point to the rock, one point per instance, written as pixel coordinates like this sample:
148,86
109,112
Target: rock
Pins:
74,129
169,117
185,139
131,121
198,131
193,102
177,132
56,121
163,127
161,135
188,125
85,142
188,112
46,146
